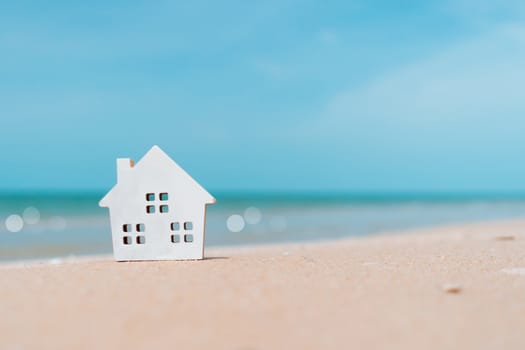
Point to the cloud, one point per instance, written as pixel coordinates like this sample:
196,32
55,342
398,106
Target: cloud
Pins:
484,11
475,85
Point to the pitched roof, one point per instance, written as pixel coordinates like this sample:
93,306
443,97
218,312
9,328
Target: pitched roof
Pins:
154,158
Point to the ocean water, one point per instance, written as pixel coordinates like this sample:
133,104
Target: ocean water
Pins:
45,226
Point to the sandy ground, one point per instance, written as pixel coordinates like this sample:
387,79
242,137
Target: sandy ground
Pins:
459,287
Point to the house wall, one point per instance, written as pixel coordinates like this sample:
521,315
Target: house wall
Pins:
175,234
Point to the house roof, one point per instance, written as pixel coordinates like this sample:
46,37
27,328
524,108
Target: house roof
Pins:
156,158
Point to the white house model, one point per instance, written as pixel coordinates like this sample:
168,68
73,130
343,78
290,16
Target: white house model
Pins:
157,211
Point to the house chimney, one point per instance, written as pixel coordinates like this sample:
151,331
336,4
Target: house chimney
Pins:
124,166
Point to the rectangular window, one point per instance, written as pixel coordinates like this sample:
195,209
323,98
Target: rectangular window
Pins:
175,238
141,239
188,238
164,209
126,228
150,209
127,240
150,197
163,196
141,227
175,226
188,225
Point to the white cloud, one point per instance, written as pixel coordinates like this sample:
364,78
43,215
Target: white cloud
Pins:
484,10
477,84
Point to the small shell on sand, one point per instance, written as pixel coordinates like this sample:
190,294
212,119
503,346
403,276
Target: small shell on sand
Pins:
452,288
504,238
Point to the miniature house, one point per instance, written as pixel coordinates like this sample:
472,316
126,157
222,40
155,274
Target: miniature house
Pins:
157,211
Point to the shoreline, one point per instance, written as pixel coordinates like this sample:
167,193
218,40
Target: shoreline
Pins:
210,252
454,287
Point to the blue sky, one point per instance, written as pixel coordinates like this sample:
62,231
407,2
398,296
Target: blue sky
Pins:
278,96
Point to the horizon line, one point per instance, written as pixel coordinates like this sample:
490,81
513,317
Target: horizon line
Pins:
292,194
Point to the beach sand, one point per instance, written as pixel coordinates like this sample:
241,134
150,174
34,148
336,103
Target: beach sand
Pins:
455,287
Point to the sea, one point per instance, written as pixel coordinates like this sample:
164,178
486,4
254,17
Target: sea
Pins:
58,225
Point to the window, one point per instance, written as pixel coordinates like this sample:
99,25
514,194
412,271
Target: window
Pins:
140,239
188,225
155,197
175,238
175,226
188,238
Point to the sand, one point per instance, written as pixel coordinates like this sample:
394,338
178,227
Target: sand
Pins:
457,287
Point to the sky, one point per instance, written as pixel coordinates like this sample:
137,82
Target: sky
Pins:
335,96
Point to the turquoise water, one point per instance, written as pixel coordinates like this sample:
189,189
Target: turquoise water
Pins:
73,224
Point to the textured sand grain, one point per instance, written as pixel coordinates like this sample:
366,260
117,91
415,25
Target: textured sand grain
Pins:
384,292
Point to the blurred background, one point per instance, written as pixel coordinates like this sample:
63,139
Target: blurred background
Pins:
306,119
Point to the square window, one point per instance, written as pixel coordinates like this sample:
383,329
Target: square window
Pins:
126,228
127,240
141,239
164,209
175,226
188,225
175,238
188,238
150,209
150,197
141,227
163,196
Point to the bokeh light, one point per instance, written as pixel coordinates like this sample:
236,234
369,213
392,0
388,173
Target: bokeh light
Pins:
14,223
235,223
252,215
31,216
